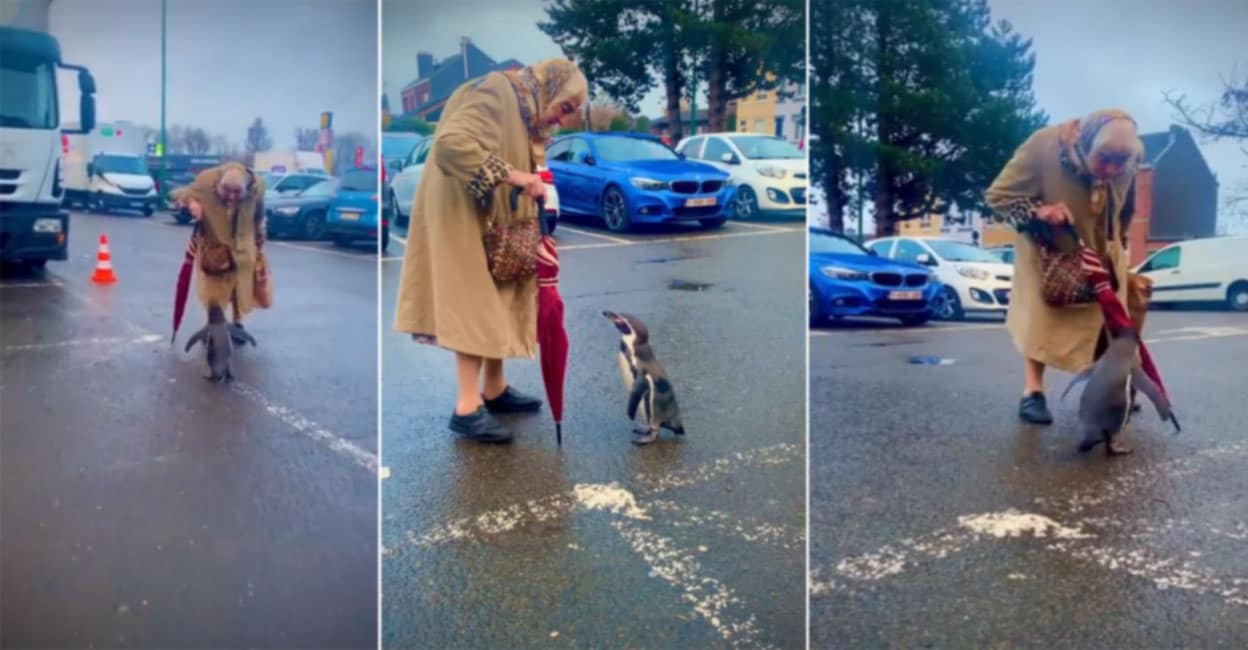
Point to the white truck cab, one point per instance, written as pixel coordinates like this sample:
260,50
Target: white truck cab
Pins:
34,228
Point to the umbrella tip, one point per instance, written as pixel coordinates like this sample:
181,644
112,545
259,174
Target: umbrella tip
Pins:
559,433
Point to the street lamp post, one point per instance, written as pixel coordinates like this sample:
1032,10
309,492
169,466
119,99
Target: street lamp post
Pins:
160,153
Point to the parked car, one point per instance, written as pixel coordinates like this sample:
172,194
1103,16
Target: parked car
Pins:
396,146
627,178
277,185
1006,253
769,172
354,212
1214,269
847,279
974,279
403,185
302,214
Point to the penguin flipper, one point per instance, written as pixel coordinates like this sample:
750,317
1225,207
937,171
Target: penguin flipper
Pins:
1141,381
1079,378
197,337
640,388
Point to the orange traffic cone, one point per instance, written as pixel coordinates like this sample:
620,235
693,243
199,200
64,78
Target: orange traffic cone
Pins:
103,264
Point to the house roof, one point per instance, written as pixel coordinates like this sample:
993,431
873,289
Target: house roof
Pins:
449,75
1157,145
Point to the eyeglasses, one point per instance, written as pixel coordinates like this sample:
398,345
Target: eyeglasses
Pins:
1115,158
567,108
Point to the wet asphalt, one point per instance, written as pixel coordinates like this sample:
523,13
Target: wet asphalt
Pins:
1144,551
487,546
141,506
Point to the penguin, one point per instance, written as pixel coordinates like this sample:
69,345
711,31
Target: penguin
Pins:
218,345
649,389
1105,405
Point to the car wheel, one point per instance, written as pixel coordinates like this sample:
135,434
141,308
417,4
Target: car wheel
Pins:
314,226
746,203
947,305
1237,296
817,316
916,319
615,210
713,223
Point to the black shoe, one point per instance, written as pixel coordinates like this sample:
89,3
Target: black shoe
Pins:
1034,409
241,336
480,426
513,401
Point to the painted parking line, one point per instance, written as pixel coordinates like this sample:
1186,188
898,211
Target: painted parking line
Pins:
336,443
29,285
678,239
595,235
1065,529
401,240
145,339
326,251
763,226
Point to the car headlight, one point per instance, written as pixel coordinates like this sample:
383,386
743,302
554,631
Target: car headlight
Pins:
841,273
973,272
289,210
770,171
643,183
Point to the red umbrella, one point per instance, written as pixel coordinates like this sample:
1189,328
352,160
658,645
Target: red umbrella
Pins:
552,338
184,282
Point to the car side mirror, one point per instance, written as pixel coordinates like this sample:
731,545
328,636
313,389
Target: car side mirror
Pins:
589,160
395,165
86,112
730,159
925,259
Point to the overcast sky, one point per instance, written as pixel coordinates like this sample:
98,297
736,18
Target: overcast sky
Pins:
229,61
503,29
1118,53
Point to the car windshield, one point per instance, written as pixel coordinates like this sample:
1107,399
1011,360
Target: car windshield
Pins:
27,92
761,147
953,251
121,164
359,180
829,244
624,149
398,146
321,189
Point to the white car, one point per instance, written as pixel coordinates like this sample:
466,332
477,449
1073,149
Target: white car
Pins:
1200,270
976,280
403,186
769,172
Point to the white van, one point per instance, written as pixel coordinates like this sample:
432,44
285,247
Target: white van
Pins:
1200,270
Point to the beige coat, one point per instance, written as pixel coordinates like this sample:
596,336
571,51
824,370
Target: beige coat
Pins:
237,286
1061,337
445,289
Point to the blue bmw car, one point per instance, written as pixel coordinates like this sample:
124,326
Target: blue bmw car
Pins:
849,280
628,178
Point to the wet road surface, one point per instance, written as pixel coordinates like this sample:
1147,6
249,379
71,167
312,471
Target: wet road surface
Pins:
145,507
939,520
694,542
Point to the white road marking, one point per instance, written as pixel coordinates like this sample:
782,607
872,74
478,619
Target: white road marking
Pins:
1075,538
969,327
1198,333
326,251
393,258
399,239
763,226
29,285
751,530
75,343
709,597
334,442
677,239
595,235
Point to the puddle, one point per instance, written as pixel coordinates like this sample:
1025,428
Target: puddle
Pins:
683,285
930,361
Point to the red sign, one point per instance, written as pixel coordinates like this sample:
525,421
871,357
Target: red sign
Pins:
359,156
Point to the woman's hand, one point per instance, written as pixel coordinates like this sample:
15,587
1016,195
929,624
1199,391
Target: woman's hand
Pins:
1054,213
533,186
196,210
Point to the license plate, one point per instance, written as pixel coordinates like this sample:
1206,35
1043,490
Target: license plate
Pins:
350,216
701,203
905,295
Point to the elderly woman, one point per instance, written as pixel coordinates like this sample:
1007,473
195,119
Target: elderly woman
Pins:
1080,172
490,139
228,202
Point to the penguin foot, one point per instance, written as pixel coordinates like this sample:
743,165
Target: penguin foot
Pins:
640,431
650,437
240,336
1088,444
1114,448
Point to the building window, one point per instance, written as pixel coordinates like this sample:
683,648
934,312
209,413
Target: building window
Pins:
758,126
745,127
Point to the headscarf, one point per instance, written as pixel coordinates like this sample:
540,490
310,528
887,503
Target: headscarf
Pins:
541,88
1101,132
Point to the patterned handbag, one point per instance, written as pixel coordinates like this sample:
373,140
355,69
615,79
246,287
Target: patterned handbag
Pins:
215,259
511,249
1063,281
